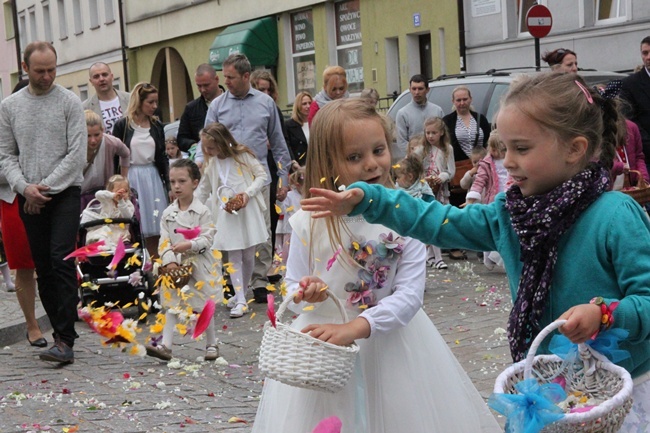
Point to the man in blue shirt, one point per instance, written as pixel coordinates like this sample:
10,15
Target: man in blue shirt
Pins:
252,118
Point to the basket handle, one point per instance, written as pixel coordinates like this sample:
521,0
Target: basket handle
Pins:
330,295
528,366
640,180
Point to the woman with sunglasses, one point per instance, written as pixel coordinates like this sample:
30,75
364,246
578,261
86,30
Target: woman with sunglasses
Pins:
562,60
144,135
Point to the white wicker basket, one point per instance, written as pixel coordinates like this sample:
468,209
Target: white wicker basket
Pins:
297,359
595,376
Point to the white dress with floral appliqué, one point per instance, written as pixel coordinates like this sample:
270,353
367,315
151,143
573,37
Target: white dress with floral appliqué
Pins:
406,378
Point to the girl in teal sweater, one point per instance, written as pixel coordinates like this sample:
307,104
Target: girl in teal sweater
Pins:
569,247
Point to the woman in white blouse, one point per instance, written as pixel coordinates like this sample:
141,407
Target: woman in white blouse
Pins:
144,135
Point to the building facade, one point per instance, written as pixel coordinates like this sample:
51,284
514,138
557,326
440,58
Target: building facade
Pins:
379,46
9,63
605,34
82,31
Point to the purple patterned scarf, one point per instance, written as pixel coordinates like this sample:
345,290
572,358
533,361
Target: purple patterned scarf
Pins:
539,222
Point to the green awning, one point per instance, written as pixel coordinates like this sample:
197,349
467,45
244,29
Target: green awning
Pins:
258,40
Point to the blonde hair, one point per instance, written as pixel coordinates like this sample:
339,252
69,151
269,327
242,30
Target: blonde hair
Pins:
494,143
138,95
93,119
297,178
296,114
409,165
327,147
445,141
333,71
116,178
221,136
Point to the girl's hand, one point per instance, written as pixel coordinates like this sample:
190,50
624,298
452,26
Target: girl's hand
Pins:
342,335
312,289
326,203
471,201
181,247
244,199
171,265
473,170
582,322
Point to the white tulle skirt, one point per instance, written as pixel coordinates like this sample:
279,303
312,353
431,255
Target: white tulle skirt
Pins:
405,381
152,197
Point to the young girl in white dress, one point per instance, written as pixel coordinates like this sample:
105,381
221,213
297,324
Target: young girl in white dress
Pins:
112,202
439,170
288,207
233,177
406,378
186,237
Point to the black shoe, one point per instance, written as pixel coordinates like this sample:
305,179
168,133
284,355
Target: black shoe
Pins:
39,342
60,352
274,278
259,293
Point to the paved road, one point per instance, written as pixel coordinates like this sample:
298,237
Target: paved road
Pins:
107,390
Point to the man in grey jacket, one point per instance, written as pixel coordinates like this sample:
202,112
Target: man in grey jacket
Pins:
42,154
410,118
108,102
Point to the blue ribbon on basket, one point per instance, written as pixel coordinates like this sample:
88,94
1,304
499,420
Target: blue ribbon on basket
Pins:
605,343
532,409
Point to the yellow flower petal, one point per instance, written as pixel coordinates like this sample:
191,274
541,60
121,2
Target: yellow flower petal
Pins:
252,315
278,209
445,221
323,179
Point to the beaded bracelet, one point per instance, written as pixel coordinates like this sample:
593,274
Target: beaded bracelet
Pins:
607,314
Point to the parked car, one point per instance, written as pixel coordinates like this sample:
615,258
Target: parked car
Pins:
486,88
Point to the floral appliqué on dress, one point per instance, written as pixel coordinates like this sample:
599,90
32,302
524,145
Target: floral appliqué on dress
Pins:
375,257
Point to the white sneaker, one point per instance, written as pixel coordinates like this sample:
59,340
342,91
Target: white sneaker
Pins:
238,311
231,303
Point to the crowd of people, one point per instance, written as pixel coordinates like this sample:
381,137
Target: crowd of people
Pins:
532,191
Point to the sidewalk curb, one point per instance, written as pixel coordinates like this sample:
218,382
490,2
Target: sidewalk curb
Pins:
14,331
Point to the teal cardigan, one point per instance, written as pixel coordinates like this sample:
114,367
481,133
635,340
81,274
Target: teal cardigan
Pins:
605,253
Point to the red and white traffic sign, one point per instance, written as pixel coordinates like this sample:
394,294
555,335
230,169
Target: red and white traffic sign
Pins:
539,21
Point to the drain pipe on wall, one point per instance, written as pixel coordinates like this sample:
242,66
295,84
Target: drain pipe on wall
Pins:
461,36
125,68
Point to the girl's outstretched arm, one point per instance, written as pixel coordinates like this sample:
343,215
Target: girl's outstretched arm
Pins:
326,203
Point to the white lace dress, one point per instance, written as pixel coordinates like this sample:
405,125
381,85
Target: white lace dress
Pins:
406,378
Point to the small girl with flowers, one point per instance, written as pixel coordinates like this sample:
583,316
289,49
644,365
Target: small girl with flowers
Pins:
186,237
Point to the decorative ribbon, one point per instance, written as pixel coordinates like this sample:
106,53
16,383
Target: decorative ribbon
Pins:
532,409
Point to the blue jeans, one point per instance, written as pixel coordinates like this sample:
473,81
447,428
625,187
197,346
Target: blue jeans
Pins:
52,235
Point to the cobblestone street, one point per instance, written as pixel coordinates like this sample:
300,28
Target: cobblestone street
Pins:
107,390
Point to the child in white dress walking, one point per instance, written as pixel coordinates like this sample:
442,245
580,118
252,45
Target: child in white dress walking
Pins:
233,178
288,207
186,237
406,378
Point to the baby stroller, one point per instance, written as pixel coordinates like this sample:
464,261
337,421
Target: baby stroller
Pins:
131,281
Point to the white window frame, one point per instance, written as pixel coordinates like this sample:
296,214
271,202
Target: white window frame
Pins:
346,46
83,91
94,14
47,20
627,4
78,17
521,17
293,56
22,28
31,20
63,19
109,11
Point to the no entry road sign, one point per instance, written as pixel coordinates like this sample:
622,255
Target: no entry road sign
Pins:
539,21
